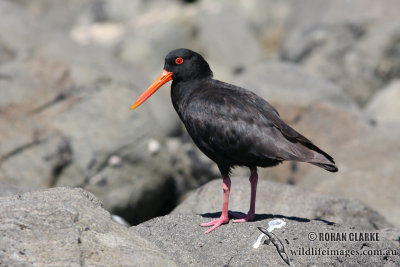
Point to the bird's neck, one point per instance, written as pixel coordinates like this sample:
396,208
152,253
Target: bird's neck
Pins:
181,91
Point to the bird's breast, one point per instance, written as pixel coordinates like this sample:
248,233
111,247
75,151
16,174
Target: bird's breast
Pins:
181,95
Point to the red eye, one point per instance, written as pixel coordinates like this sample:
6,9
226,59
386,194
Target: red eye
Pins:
179,60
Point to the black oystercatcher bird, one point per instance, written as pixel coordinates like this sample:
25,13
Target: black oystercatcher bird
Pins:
231,125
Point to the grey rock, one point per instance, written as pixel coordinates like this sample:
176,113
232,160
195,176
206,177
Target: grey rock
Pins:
191,167
7,189
134,192
147,46
65,114
221,25
315,107
384,107
272,79
181,238
341,11
33,164
355,47
122,10
268,19
65,15
68,227
276,199
392,234
367,172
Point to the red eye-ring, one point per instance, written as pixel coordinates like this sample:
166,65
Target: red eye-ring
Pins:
179,60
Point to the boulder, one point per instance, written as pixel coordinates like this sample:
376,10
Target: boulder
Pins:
384,106
7,189
344,42
146,44
220,25
277,200
64,15
191,167
69,227
368,171
65,120
268,19
301,242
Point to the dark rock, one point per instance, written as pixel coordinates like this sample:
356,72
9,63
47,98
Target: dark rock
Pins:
182,239
68,227
276,199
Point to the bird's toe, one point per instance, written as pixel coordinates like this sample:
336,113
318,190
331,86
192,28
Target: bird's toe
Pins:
215,224
242,217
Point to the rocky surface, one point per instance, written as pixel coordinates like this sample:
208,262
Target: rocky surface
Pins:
232,244
57,104
7,189
69,70
373,180
279,200
68,227
354,47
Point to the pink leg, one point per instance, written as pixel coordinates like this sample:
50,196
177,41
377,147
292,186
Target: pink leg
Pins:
251,214
226,186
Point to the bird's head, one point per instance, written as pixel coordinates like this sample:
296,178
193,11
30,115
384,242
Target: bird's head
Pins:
180,65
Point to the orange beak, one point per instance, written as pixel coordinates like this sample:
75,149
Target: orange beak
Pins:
164,77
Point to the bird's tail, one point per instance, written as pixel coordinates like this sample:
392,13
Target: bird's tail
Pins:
321,158
327,166
302,149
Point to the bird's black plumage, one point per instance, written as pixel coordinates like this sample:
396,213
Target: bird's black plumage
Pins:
232,125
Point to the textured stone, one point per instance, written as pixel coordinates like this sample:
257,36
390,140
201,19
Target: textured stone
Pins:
182,239
65,113
354,47
366,172
68,227
276,199
7,189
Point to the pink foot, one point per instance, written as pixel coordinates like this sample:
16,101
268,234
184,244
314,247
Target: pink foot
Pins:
242,217
216,223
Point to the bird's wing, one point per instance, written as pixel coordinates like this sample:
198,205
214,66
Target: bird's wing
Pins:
238,124
291,134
